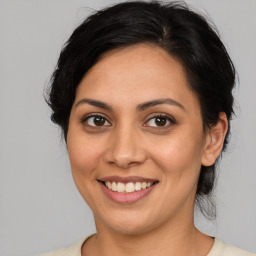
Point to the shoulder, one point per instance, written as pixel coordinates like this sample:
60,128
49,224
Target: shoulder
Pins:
221,249
74,250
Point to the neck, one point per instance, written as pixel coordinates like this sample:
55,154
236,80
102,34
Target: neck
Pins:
173,238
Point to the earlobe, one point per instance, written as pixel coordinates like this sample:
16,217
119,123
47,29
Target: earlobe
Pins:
214,141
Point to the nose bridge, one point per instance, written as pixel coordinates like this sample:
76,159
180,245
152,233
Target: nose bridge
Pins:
126,147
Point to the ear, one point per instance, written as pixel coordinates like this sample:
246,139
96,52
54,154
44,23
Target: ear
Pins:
214,141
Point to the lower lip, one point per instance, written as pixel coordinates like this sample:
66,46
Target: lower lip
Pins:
126,198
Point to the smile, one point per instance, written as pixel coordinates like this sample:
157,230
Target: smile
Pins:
128,189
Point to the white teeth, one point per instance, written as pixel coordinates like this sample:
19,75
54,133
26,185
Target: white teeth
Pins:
109,185
113,186
138,186
128,187
120,187
144,185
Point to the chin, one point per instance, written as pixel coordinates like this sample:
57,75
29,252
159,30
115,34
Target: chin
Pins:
130,228
132,223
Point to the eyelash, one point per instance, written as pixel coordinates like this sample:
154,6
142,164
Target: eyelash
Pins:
94,115
168,118
165,116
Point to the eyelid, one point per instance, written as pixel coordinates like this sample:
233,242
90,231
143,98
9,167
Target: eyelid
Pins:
163,115
86,117
169,118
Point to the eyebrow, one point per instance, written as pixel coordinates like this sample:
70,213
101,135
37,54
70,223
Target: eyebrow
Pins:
140,107
95,103
153,103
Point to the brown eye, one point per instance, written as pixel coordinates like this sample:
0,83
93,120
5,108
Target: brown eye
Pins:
99,121
160,121
96,121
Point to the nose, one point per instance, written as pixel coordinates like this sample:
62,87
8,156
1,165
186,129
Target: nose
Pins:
125,149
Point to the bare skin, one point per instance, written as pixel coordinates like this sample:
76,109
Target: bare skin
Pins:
174,242
115,131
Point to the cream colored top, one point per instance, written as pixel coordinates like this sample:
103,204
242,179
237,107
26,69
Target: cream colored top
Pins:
219,249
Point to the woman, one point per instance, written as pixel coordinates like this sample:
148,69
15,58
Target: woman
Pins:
143,94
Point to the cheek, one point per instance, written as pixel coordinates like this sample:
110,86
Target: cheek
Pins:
84,154
179,157
84,157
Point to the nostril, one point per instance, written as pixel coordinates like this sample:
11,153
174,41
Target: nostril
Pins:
124,164
125,151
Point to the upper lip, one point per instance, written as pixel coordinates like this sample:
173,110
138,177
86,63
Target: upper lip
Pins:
127,179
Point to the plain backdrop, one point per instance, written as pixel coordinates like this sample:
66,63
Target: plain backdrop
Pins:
40,208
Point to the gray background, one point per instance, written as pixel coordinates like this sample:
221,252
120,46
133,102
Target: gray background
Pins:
40,208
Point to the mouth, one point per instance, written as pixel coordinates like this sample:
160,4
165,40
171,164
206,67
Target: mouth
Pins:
128,184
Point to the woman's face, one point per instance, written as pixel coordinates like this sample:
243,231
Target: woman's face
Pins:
136,127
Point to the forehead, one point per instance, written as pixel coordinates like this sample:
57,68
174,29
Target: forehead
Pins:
141,61
136,73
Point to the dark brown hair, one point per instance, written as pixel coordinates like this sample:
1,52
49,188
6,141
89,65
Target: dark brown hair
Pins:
182,33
